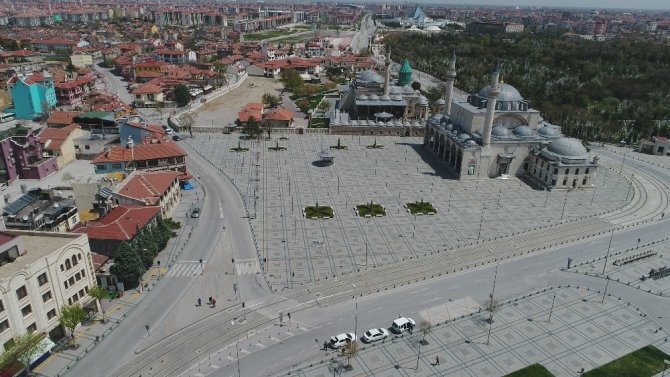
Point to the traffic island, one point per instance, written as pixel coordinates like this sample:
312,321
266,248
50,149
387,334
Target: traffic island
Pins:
374,145
239,148
318,212
370,210
420,208
277,147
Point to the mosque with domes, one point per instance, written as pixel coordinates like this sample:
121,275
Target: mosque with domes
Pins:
492,133
495,132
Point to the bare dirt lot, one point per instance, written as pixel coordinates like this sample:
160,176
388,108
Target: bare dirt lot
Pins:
223,110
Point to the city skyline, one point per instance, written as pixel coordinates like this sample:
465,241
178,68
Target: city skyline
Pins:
587,4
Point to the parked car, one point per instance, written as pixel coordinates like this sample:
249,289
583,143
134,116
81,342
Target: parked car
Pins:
342,339
176,137
195,213
403,324
374,335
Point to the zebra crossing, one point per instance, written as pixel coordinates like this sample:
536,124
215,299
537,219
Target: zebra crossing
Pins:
247,267
186,269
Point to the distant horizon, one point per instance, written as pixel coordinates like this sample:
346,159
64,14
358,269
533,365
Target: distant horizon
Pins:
644,5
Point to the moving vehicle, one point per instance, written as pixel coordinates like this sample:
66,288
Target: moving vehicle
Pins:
403,324
6,117
342,339
195,213
374,335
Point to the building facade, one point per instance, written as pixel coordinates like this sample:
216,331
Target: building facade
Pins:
157,188
41,272
165,155
33,95
21,156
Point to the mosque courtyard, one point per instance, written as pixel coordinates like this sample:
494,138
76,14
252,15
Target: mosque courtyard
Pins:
276,186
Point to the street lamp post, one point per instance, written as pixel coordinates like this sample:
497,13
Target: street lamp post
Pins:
493,291
565,202
551,311
609,246
481,221
356,315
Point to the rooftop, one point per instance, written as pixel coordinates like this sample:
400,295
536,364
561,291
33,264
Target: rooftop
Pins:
120,224
148,186
37,245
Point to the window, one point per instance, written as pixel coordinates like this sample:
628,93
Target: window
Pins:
74,260
83,273
32,328
65,284
26,310
42,279
555,170
77,276
4,325
584,181
51,314
87,147
586,171
62,268
81,293
565,181
101,167
553,182
75,298
577,171
21,292
46,296
71,280
68,265
471,170
567,171
79,256
116,166
542,164
69,301
2,307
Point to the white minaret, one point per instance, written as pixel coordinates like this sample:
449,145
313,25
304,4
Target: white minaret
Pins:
451,77
494,89
387,71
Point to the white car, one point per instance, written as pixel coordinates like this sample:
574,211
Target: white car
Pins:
342,339
403,324
374,335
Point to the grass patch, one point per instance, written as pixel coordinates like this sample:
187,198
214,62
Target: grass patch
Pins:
535,370
370,209
421,207
277,148
239,148
645,362
339,145
317,123
319,212
374,145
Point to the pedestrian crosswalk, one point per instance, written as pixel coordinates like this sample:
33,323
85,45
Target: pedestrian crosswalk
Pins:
185,269
247,267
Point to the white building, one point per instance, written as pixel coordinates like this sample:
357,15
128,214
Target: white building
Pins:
41,272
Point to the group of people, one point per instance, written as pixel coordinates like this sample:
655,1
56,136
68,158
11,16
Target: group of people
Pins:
212,302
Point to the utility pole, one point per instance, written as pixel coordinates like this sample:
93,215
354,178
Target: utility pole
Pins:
608,251
552,309
493,291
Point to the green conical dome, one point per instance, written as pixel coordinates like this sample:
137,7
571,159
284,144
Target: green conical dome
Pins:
405,74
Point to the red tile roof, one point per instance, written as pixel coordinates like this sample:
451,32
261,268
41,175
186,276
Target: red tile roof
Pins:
120,224
141,152
254,110
53,138
148,187
148,88
62,117
279,114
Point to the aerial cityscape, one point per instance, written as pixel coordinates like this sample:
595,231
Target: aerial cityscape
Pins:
228,188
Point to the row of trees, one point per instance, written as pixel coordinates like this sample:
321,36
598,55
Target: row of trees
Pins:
134,258
612,90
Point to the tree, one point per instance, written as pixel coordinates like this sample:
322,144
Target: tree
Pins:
181,95
162,231
425,326
220,70
128,265
270,100
187,121
435,92
324,106
98,293
71,316
349,351
291,79
20,351
416,85
252,128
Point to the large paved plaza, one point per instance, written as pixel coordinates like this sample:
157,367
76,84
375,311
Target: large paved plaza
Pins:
277,185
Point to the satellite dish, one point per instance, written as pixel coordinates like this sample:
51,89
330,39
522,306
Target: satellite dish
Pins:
25,217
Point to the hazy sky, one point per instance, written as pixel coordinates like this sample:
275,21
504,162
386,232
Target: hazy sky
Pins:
625,4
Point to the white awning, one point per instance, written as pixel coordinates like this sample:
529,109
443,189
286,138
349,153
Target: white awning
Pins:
40,349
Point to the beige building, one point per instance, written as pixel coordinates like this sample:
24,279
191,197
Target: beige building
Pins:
155,188
82,59
148,95
59,143
41,273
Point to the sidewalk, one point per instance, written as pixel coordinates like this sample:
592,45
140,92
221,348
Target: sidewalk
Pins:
93,331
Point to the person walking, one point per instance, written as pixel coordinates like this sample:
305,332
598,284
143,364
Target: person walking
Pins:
210,300
289,317
325,345
213,303
199,302
437,360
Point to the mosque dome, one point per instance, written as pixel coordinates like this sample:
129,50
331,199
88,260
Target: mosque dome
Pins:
423,101
437,116
463,136
395,90
500,131
374,97
385,98
362,97
471,143
433,29
396,97
370,76
523,131
548,131
448,127
407,90
507,93
440,102
568,147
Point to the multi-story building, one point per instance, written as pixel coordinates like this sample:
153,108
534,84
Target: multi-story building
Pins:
156,188
40,209
71,93
40,273
21,156
33,95
32,19
148,95
59,45
59,143
494,27
164,155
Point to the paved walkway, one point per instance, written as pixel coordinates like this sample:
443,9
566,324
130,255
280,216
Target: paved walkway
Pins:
584,332
93,332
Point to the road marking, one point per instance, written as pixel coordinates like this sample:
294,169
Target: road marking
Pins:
372,310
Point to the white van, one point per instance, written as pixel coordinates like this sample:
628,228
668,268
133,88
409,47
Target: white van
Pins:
6,117
402,324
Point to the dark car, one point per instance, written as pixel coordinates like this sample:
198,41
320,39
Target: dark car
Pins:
195,213
176,137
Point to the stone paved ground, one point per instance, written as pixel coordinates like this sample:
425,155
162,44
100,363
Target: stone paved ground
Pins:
583,333
640,261
276,186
